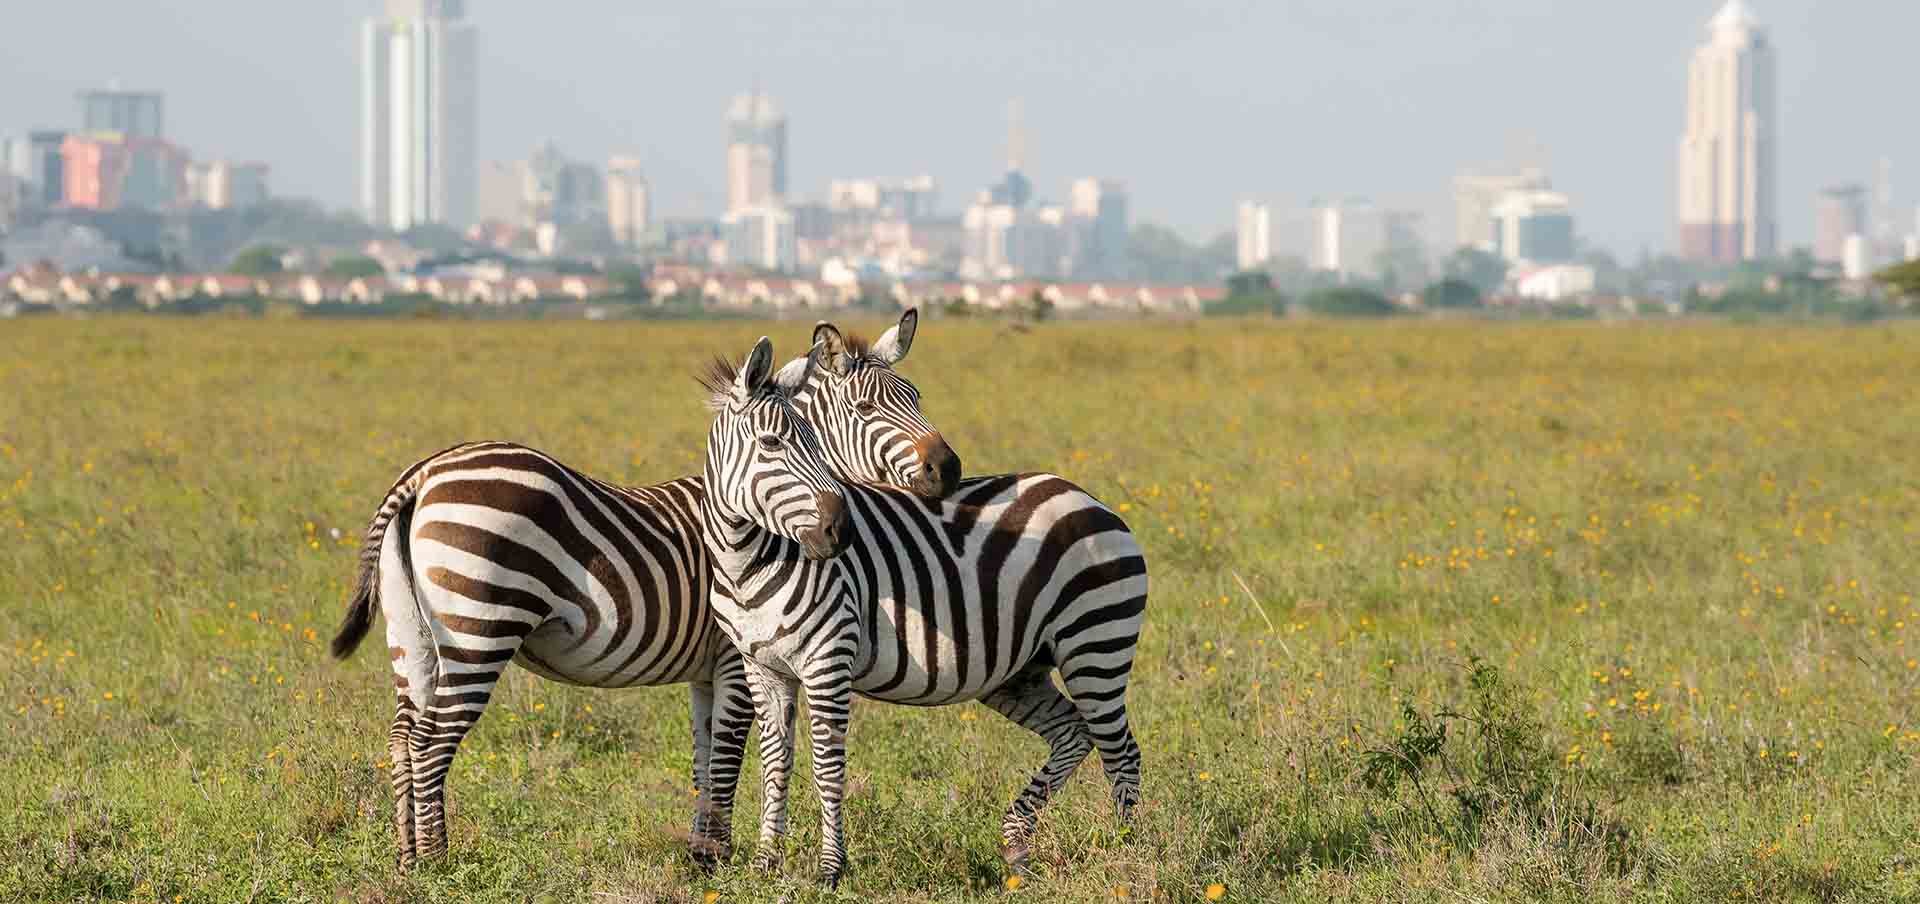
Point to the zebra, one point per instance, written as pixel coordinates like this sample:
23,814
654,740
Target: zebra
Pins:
489,553
844,589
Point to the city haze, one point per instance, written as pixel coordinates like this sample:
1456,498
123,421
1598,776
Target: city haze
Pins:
1194,107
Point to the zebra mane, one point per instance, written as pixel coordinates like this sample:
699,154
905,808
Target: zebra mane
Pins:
858,346
717,377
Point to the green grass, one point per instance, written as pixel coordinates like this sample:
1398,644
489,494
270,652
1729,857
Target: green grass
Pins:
1688,554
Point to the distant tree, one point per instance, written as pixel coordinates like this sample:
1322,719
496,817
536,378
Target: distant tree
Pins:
257,260
1250,282
1039,307
1161,255
1901,280
1452,292
354,266
1350,301
629,281
1249,292
1487,272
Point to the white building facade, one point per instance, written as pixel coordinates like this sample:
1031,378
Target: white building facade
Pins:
1254,236
628,213
756,153
1727,204
418,105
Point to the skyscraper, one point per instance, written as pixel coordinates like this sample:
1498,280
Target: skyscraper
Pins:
1476,193
1533,227
1838,212
1097,214
628,214
1727,157
756,153
1255,235
418,99
135,114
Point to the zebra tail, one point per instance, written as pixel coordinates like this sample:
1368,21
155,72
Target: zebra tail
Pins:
366,590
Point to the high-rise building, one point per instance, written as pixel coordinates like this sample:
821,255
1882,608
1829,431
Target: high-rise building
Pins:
221,185
498,199
108,171
1348,238
760,237
1255,235
1838,212
1097,227
560,191
135,114
628,214
1474,197
418,102
756,153
1727,156
1533,227
37,162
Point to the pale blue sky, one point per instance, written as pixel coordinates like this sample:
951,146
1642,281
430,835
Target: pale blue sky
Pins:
1194,105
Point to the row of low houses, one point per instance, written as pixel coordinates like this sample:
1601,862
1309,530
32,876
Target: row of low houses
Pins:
781,293
156,289
672,285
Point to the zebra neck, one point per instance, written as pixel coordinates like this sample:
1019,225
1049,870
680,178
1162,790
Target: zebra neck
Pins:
749,561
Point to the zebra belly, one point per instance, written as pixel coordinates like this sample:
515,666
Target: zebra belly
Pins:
904,663
552,652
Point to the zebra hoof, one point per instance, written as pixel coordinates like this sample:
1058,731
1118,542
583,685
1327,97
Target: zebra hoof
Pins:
708,853
1016,854
766,861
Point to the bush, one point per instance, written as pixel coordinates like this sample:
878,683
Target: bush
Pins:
1350,302
1272,304
1452,293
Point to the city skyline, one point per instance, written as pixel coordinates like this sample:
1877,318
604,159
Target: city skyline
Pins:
1284,131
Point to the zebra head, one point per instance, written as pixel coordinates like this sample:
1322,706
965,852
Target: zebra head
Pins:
764,462
868,416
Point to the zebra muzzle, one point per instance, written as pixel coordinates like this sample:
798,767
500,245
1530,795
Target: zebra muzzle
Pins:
828,537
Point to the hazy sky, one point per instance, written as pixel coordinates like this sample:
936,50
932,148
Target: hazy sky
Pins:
1194,105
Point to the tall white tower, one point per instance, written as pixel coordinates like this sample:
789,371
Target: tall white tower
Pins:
756,153
1727,156
418,161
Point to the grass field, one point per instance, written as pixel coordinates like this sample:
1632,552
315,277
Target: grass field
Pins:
1683,558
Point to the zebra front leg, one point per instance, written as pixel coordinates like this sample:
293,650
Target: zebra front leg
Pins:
1032,701
773,701
829,704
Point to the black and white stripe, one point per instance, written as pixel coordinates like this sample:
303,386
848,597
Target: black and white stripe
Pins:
489,553
979,597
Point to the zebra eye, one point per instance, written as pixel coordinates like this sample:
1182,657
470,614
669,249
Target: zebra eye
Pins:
769,442
865,408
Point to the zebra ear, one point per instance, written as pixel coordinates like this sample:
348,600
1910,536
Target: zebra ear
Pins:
893,344
832,347
759,366
800,370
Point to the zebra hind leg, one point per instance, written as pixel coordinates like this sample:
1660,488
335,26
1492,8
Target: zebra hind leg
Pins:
463,687
1032,701
731,717
400,753
1097,679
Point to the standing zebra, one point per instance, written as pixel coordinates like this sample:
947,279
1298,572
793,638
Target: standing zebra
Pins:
488,553
978,597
